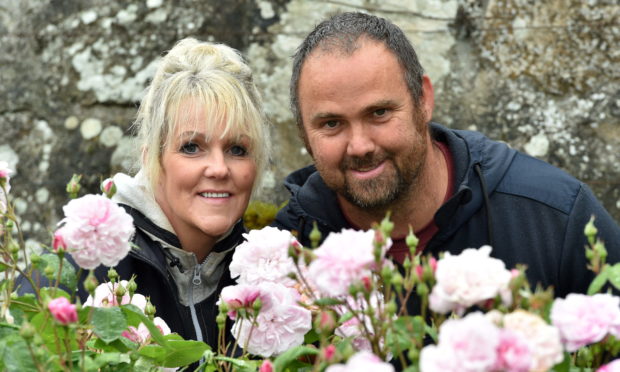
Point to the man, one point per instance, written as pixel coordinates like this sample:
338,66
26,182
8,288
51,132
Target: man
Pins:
363,107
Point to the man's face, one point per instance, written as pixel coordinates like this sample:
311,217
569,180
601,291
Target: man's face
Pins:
368,139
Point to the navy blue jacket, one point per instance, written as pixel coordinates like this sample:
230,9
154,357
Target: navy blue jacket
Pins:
529,211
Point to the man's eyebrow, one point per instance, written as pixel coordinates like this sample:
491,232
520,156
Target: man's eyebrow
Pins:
324,115
381,104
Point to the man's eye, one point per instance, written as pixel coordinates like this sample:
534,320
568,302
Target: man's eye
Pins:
331,123
189,148
238,150
380,112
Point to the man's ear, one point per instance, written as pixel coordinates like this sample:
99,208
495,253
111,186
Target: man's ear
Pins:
428,98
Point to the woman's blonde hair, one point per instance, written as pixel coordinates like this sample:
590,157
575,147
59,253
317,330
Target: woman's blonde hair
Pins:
210,76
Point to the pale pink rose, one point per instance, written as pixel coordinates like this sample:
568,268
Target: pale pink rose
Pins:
105,297
343,259
353,328
281,324
239,296
63,311
467,279
513,353
5,171
263,257
142,335
96,231
108,188
467,344
363,361
544,339
583,320
613,366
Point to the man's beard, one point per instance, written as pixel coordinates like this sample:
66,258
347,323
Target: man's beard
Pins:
395,184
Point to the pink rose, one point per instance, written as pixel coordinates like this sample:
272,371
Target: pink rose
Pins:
58,242
5,171
513,352
544,339
363,361
267,366
239,296
263,257
5,186
467,279
280,326
343,259
105,297
584,320
108,188
142,335
96,231
63,311
613,366
467,344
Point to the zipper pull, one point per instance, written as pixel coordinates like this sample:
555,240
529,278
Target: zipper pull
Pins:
196,279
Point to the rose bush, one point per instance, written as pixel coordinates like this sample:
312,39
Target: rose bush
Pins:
341,306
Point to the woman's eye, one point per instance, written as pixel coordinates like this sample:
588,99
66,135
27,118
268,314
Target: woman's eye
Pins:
238,150
189,148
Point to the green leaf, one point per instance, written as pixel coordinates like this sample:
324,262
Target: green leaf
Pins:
345,317
133,311
327,301
68,276
406,331
564,366
104,359
613,274
598,282
285,359
311,337
15,355
240,364
108,323
183,352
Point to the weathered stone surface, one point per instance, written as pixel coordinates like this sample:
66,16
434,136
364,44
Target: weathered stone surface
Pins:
542,76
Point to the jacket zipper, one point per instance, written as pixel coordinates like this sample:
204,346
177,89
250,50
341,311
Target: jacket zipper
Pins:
196,281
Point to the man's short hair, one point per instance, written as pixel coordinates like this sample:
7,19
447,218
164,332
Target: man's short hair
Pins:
341,33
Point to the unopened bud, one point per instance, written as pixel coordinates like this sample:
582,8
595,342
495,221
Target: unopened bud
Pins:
590,230
390,308
325,322
412,241
73,187
27,330
120,291
9,224
35,259
599,248
407,263
91,283
413,354
422,289
108,188
315,235
267,366
257,305
132,286
397,280
329,352
149,308
13,247
49,272
58,244
386,225
112,275
220,319
386,274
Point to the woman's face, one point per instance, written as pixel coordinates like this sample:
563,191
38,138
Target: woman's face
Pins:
204,185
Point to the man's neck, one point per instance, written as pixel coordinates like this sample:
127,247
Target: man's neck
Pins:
417,208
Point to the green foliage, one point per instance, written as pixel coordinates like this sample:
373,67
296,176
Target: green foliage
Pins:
260,214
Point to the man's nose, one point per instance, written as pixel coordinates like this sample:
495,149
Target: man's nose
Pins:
361,141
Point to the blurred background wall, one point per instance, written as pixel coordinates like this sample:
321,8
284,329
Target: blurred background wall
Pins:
541,75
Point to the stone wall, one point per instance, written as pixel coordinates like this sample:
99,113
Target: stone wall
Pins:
541,75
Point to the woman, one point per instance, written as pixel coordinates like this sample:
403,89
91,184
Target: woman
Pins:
204,141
